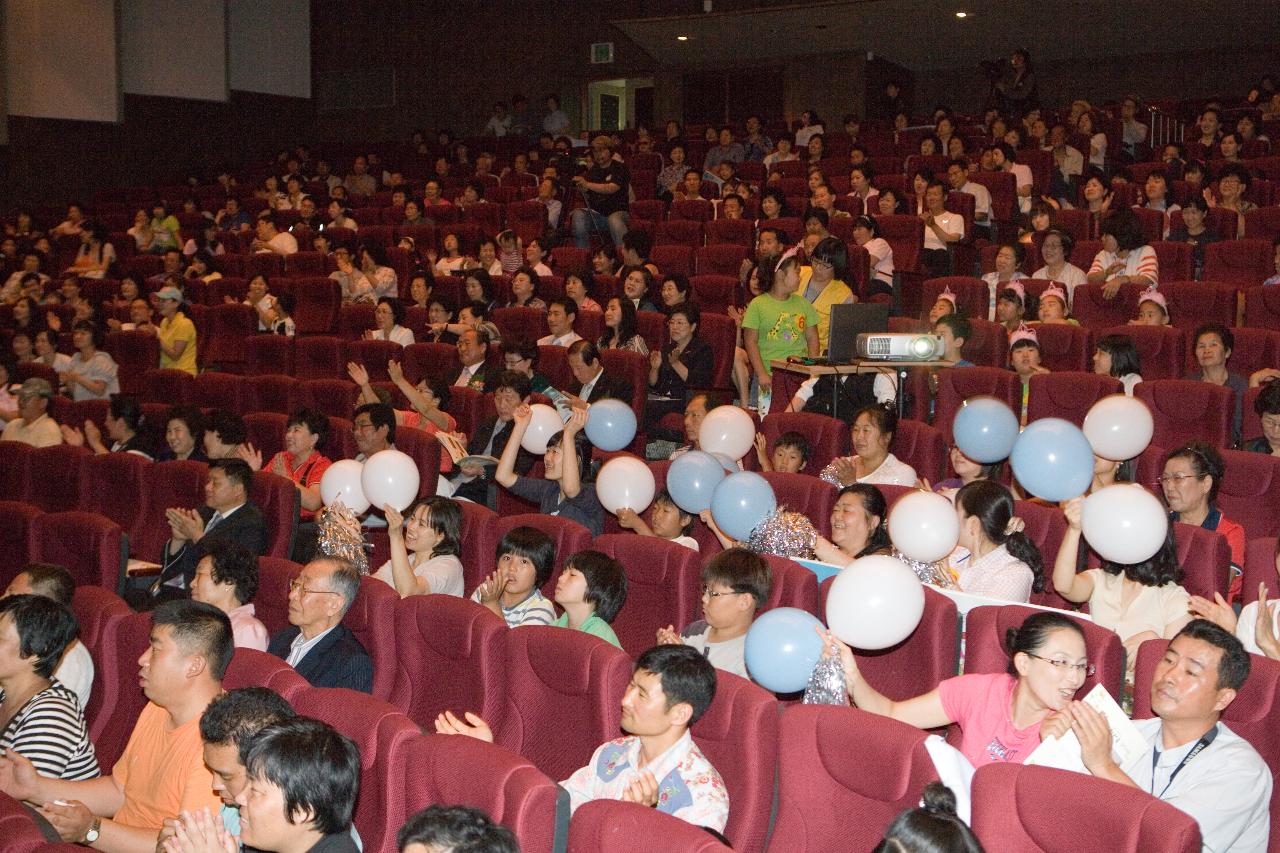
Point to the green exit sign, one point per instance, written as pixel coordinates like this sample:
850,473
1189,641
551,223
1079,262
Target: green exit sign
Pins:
602,53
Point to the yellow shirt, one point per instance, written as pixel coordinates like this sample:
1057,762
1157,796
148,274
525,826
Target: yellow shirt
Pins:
172,330
835,293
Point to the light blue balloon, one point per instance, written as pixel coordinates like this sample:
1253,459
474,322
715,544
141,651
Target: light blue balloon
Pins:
692,480
741,502
783,648
985,429
728,464
611,424
1053,460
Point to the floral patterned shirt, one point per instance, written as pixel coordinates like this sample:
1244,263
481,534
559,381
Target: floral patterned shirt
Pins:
688,786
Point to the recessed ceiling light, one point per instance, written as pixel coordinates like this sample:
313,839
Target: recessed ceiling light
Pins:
682,38
962,14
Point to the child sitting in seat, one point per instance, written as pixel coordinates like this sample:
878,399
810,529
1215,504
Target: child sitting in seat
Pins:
1153,309
666,521
1024,359
510,255
591,589
790,453
525,557
1053,306
735,583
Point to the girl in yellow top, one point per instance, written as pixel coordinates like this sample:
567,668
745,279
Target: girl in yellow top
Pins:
822,283
176,333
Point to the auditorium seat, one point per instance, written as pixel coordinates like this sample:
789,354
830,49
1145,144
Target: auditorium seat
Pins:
956,386
318,357
269,393
922,447
1045,526
520,323
92,547
972,294
214,390
828,437
53,477
280,502
227,327
1259,567
438,361
271,604
13,468
721,259
1064,346
178,483
268,354
738,232
1262,307
829,801
569,538
374,355
1011,812
564,690
98,612
372,619
1162,349
1192,303
612,826
15,527
1185,409
919,663
335,397
793,586
317,302
458,661
117,669
252,668
985,651
1249,493
425,451
987,344
1068,395
1096,312
1205,558
134,353
21,833
634,368
663,586
463,771
1243,263
171,387
382,734
806,494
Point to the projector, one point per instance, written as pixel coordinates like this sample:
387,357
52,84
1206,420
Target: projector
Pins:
900,347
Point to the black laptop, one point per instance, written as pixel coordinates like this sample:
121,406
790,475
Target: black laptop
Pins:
849,321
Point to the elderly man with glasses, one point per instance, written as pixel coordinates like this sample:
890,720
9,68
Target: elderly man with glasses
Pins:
316,643
33,425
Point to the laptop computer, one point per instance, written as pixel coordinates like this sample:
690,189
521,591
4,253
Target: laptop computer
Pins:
849,321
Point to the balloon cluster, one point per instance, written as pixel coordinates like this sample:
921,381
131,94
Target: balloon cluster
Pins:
388,477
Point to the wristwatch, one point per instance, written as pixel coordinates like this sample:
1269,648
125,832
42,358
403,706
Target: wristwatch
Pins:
94,831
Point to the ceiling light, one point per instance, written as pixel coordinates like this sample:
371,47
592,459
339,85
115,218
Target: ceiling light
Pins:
682,38
962,14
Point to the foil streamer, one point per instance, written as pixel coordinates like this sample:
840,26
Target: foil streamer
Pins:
826,684
930,573
785,534
340,536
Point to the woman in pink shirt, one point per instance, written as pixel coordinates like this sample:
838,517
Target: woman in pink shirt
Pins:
227,578
1001,716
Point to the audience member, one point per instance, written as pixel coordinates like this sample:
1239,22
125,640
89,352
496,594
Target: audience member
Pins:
563,489
871,434
454,829
227,578
859,526
524,559
1190,481
591,589
75,668
425,545
666,521
33,425
316,643
735,585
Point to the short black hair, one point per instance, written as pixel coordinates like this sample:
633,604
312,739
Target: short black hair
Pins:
45,628
742,571
1268,400
231,562
692,313
446,519
1233,667
189,415
316,768
533,545
200,629
663,496
460,829
796,440
380,415
1124,354
317,423
236,470
52,581
1224,334
1124,227
569,306
228,426
606,582
239,714
686,676
396,306
959,325
1205,460
517,382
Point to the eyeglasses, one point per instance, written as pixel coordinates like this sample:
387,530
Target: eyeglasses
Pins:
296,586
1177,479
709,593
1061,665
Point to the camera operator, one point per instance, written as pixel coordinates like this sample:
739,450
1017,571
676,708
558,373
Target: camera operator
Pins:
604,187
1014,88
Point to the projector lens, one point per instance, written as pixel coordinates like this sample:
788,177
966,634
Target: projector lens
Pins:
922,347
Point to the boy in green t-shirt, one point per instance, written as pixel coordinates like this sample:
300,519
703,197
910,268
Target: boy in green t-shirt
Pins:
591,589
779,323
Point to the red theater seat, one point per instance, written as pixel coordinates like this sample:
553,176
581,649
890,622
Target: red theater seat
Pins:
53,477
1249,493
252,668
922,447
1185,410
612,826
956,386
372,619
93,547
1068,395
179,483
793,586
828,437
98,613
122,697
805,494
662,586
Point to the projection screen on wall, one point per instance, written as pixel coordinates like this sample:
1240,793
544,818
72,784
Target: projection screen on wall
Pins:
61,59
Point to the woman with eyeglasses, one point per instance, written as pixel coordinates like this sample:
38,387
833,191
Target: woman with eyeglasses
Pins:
1140,601
1190,480
1001,716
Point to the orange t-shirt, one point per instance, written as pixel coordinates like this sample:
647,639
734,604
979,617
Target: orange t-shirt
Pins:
162,771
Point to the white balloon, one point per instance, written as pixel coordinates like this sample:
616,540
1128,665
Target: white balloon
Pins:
544,423
924,526
1124,523
390,477
341,482
1119,427
875,603
625,481
728,430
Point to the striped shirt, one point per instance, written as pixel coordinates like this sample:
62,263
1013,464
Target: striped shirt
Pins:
534,610
1141,261
50,732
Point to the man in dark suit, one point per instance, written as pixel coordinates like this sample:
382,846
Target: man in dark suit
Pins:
594,384
475,482
473,352
317,644
227,516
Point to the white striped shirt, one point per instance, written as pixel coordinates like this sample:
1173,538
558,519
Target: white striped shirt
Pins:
50,732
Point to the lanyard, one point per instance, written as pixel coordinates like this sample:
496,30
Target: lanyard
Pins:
1204,741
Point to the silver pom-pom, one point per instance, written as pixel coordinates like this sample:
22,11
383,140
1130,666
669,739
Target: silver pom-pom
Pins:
785,534
826,684
340,536
930,573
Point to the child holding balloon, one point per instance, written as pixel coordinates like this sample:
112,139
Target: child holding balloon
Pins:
666,521
1140,601
566,461
735,584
